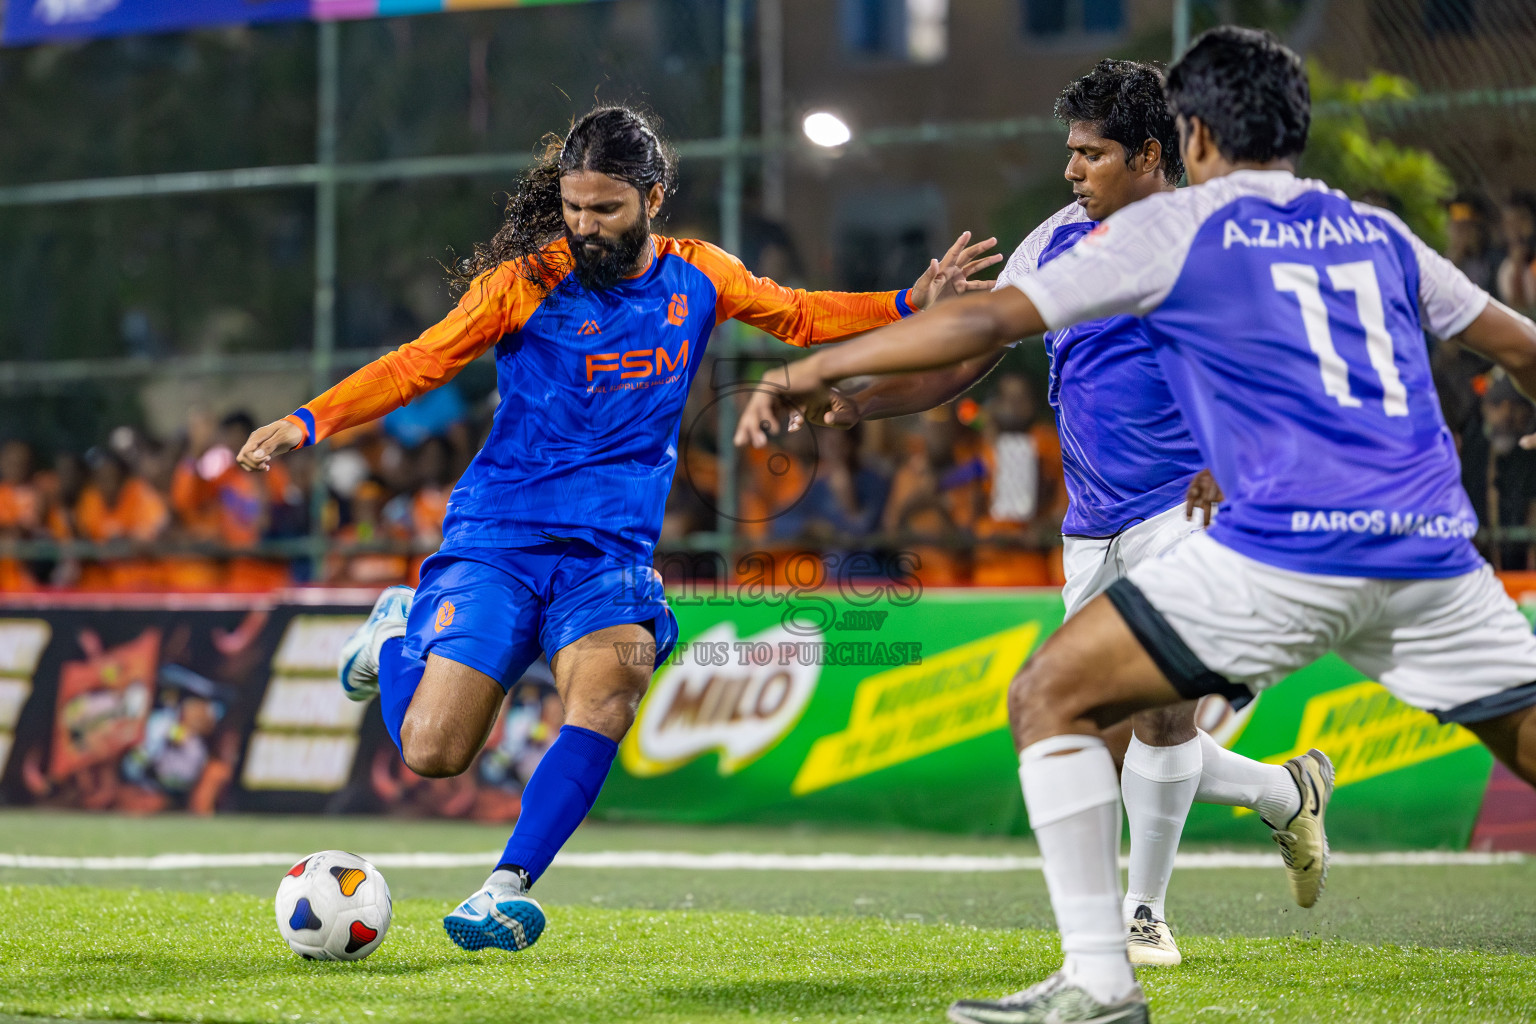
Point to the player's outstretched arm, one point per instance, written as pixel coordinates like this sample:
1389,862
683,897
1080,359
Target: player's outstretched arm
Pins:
898,394
903,394
804,318
496,304
954,332
1509,339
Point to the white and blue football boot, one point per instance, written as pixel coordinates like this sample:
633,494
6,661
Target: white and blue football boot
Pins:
358,666
500,915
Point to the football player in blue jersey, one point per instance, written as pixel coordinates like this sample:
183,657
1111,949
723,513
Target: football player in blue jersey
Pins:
1288,321
1129,461
599,326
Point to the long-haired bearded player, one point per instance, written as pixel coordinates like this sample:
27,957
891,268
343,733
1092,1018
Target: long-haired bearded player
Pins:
599,327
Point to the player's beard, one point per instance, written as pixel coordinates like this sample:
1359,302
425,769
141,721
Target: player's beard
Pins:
617,260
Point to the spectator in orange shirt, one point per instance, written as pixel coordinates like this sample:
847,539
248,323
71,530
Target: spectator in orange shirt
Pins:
218,504
243,503
192,493
1517,274
194,499
918,512
434,470
368,526
117,506
769,481
1026,494
21,507
429,505
21,512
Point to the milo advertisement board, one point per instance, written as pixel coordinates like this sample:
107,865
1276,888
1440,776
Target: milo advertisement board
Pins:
881,706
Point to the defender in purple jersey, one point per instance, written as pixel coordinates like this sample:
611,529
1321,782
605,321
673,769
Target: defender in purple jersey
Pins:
1288,322
1129,462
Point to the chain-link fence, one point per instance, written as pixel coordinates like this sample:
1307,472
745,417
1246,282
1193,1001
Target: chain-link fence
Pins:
203,226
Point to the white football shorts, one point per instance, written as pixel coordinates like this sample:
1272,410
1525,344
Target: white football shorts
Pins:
1216,621
1091,564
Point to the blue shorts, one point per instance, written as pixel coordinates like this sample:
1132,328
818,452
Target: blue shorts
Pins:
496,609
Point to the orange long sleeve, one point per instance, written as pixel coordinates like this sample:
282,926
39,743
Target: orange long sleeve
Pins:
496,304
794,315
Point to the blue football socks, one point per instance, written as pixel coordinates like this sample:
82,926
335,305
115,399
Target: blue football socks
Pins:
563,789
398,680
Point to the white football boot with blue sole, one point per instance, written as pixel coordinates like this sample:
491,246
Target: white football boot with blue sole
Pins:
358,666
502,916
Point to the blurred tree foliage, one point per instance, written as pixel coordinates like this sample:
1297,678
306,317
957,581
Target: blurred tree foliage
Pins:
233,272
1343,152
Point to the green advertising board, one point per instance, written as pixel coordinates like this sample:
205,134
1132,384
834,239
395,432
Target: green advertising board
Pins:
881,708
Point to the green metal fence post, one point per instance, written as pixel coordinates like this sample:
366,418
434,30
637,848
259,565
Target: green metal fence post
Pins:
733,94
327,101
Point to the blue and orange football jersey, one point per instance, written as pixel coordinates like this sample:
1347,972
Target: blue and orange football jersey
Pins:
592,385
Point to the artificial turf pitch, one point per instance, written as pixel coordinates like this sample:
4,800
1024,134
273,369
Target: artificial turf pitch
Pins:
1430,944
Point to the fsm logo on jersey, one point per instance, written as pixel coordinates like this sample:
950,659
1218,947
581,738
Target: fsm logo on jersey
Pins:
657,365
738,707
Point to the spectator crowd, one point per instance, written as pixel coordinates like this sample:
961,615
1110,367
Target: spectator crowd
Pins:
1494,245
973,490
967,494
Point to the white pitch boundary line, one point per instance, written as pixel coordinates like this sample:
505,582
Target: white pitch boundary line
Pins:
652,859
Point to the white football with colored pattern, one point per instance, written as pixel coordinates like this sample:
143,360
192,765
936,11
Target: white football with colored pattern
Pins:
333,906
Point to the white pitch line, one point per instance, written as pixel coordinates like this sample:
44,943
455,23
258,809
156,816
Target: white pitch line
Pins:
652,859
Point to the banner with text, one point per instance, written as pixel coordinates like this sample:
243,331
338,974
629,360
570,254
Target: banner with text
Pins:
888,709
39,21
869,708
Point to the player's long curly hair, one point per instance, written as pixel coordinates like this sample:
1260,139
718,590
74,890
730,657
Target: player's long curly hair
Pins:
618,141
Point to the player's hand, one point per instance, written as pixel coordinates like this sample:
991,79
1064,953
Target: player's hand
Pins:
1203,494
950,276
265,442
794,397
760,419
842,412
837,410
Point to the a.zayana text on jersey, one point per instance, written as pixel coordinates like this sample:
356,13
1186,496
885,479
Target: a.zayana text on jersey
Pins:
1302,234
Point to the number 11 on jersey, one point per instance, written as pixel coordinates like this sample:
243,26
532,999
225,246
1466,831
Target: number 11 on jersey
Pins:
1301,280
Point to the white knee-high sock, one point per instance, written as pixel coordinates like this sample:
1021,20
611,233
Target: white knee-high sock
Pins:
1073,800
1158,786
1237,781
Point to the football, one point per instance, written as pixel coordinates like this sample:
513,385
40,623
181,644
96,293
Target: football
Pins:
333,906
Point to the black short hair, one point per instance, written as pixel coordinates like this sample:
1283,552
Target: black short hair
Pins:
1123,100
1248,89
